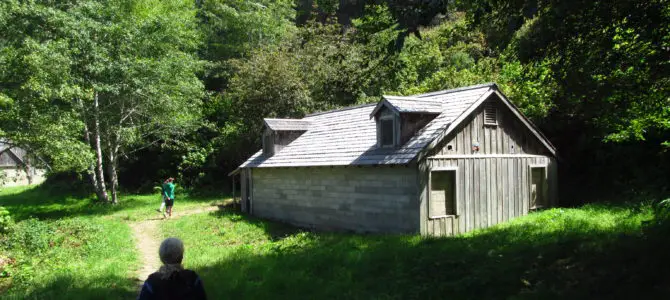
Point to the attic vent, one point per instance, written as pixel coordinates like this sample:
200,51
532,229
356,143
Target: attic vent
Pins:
490,114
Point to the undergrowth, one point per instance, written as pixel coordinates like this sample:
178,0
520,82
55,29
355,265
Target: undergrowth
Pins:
80,257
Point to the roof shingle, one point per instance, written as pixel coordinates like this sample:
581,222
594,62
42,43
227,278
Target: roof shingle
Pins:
348,136
287,124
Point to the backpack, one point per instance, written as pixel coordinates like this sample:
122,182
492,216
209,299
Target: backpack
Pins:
184,284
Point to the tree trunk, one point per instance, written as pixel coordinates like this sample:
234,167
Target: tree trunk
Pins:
100,188
92,175
111,169
28,169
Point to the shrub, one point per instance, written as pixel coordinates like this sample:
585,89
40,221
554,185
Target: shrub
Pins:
5,220
32,235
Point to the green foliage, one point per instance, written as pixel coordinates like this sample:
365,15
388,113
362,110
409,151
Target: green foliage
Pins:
233,29
5,220
136,58
80,257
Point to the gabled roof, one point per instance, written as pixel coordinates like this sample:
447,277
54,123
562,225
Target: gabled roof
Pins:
17,154
286,124
349,136
409,105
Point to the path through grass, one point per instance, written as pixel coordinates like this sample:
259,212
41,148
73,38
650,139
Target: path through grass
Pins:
147,240
72,248
64,247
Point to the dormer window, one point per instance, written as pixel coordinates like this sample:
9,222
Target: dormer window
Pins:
268,143
400,118
279,133
387,131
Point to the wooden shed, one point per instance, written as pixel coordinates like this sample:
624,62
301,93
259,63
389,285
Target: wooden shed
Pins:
17,169
440,163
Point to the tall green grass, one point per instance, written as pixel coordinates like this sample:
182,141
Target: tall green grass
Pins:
596,251
69,247
71,258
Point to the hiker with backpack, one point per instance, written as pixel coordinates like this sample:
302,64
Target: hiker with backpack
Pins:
167,197
168,194
172,281
162,207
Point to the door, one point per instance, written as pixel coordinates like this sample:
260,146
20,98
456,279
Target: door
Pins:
538,187
247,179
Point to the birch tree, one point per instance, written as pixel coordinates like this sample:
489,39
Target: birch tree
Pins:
124,76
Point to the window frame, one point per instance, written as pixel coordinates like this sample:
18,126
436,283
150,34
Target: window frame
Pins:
387,117
456,191
268,143
545,185
494,107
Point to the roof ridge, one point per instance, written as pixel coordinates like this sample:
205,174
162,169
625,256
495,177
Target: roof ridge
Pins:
411,98
339,110
286,119
461,89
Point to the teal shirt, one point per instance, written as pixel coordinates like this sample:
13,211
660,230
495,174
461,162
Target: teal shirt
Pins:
168,190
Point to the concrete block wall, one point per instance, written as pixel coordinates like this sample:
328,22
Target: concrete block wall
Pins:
18,177
362,199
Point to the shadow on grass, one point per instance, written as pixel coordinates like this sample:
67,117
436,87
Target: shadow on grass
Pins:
48,203
275,230
45,203
67,287
578,259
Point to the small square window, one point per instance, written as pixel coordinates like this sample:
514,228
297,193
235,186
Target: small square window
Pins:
386,134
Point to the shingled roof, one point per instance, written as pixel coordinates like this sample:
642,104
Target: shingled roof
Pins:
348,136
409,105
287,124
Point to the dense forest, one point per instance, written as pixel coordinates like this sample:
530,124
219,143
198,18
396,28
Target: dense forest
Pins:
124,93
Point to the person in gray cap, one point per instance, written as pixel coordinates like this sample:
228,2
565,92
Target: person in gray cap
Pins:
172,281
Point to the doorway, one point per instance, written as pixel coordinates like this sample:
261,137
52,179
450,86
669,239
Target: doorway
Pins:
538,187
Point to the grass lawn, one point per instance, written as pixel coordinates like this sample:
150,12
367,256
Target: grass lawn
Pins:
65,247
73,258
595,251
44,203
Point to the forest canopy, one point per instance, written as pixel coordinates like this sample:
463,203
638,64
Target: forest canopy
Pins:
151,89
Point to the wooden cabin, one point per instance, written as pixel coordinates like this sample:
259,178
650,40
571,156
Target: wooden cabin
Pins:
440,163
16,167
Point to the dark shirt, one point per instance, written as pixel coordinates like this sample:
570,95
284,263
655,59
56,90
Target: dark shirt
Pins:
184,284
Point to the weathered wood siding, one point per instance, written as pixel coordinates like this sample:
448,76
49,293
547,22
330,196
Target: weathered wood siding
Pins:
489,191
510,136
493,184
363,199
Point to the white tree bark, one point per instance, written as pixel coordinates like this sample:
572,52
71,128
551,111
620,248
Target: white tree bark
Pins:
112,162
100,188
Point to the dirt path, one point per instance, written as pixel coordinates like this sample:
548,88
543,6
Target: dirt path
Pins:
148,241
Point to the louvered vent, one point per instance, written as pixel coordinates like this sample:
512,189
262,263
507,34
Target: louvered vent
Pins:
490,114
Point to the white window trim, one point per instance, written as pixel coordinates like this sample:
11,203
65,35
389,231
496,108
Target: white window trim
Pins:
545,166
456,194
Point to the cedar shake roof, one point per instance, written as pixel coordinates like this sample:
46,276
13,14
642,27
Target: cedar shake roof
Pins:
409,105
349,136
287,124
